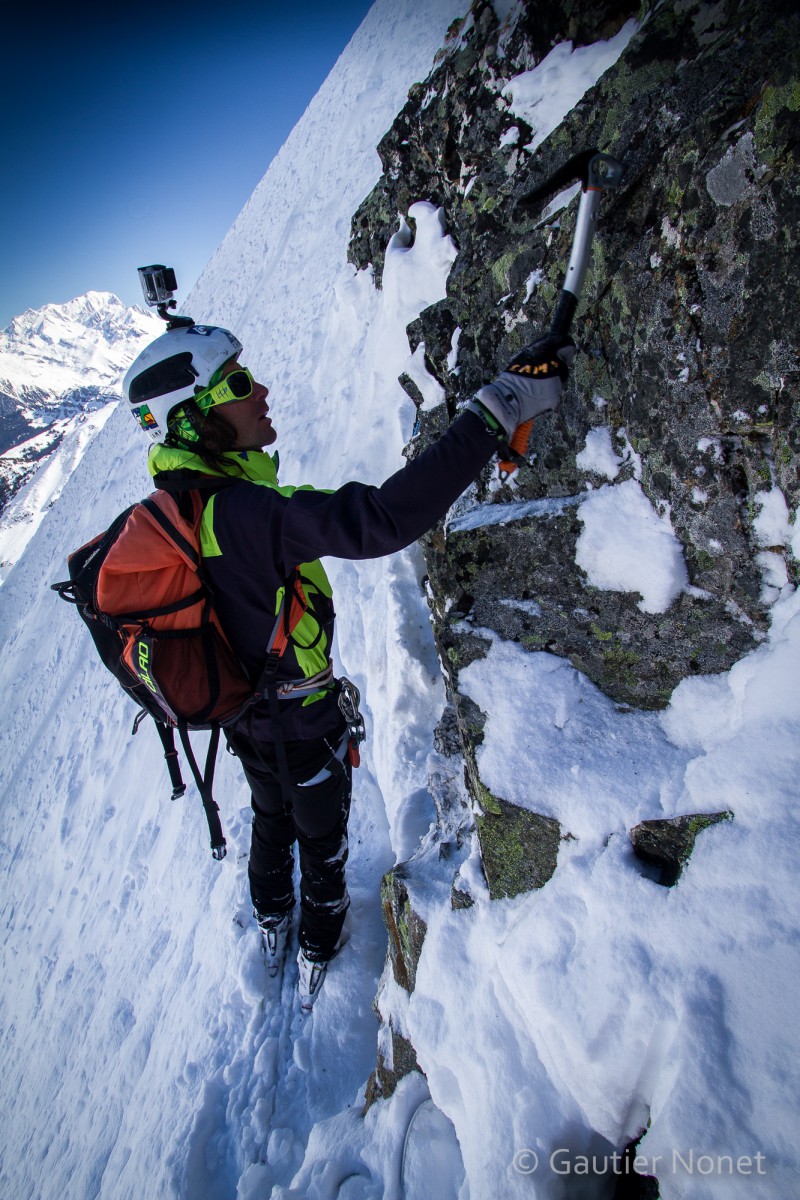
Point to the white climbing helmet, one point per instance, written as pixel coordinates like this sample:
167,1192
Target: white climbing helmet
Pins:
173,369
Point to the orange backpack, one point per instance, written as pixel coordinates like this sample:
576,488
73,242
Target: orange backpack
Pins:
139,587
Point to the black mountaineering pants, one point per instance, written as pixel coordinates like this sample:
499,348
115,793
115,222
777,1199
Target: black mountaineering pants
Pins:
316,818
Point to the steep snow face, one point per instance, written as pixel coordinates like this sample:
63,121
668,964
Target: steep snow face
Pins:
272,277
42,465
145,1054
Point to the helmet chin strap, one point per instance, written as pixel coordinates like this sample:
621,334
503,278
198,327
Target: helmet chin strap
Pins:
189,415
195,417
193,438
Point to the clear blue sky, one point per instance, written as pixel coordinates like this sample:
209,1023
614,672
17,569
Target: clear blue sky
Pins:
135,133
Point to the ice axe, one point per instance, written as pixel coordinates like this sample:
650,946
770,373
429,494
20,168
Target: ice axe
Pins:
596,173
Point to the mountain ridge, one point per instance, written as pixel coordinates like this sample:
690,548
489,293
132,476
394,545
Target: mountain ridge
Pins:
58,364
84,342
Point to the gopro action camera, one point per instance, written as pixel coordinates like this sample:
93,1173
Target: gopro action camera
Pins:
159,286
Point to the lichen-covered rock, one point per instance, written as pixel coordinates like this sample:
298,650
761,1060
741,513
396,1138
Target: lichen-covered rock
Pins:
519,848
667,844
460,899
406,929
401,1061
688,333
690,351
521,580
689,369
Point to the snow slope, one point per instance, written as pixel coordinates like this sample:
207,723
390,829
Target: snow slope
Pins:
140,1054
145,1052
25,512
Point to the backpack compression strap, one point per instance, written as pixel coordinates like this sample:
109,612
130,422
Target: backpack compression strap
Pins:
205,784
165,732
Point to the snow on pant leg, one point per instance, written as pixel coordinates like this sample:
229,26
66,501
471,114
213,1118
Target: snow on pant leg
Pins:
317,819
271,845
320,815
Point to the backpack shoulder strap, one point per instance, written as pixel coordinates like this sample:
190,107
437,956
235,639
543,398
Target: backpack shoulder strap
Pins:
164,508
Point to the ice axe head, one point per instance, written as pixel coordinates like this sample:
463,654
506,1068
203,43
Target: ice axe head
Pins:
596,173
593,170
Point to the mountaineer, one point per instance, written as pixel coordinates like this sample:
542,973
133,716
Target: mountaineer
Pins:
261,543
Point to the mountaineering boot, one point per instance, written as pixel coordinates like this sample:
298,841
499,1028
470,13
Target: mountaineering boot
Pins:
274,932
310,981
312,974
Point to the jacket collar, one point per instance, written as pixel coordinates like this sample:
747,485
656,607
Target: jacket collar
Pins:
253,465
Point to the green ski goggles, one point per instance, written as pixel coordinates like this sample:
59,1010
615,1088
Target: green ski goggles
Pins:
238,385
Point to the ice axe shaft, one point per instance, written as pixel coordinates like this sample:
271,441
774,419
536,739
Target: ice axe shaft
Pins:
597,173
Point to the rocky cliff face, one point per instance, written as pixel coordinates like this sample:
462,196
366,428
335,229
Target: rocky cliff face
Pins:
688,331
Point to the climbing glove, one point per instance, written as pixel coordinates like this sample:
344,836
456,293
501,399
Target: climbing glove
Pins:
530,385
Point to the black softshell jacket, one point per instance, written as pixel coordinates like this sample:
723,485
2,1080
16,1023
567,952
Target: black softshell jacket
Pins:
263,535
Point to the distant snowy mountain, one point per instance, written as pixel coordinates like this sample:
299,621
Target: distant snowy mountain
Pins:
58,365
57,359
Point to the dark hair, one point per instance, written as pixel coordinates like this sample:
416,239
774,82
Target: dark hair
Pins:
215,436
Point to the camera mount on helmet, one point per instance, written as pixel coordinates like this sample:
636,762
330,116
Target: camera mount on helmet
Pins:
159,285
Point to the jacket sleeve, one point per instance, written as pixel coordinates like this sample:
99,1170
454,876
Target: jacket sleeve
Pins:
361,521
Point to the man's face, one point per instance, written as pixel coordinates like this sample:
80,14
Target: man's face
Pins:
248,418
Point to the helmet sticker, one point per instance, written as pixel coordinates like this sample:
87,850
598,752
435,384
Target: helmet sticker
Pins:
144,417
208,330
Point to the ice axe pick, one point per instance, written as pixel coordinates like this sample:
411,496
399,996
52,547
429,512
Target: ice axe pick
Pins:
596,173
